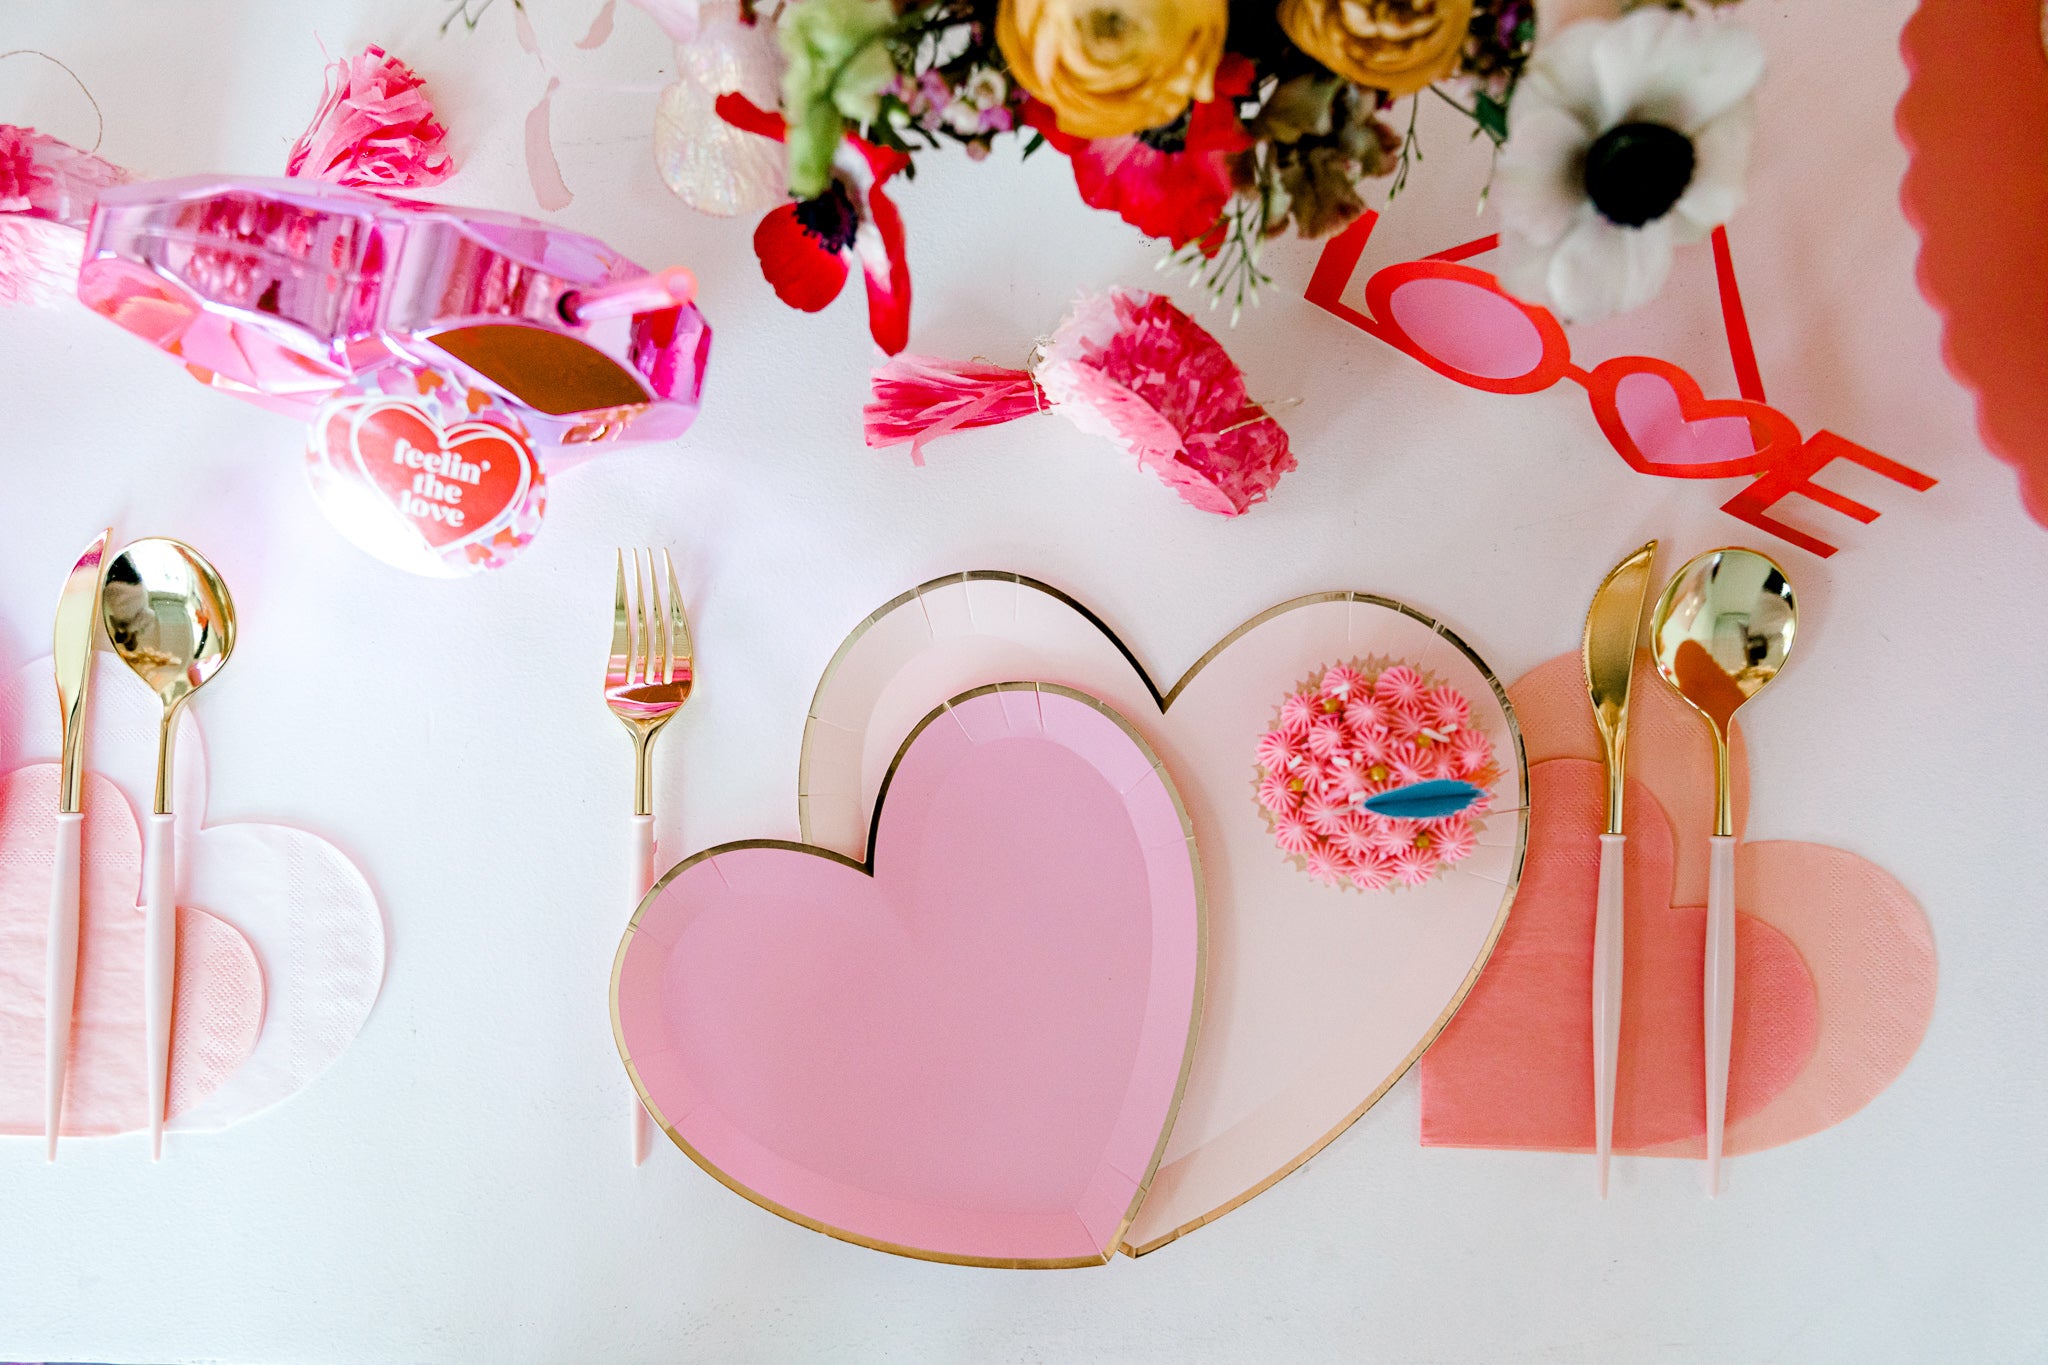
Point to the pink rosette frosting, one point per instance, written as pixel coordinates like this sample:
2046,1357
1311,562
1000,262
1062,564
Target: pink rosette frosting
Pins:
1326,738
1372,873
1448,710
1400,686
1473,751
1452,838
1365,712
1276,749
1353,731
1326,815
1293,834
1325,866
1277,796
1344,683
1414,866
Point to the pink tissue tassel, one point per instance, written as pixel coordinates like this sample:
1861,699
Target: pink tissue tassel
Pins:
919,398
1125,365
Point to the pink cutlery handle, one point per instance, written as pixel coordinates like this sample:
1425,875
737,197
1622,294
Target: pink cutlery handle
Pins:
60,974
159,966
1720,996
1607,958
643,877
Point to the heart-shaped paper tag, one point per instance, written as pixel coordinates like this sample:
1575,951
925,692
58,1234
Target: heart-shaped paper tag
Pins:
970,1048
1658,420
431,481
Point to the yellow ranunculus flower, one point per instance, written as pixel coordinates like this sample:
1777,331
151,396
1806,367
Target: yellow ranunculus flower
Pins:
1394,45
1112,67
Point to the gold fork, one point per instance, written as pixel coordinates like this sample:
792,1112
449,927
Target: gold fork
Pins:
645,684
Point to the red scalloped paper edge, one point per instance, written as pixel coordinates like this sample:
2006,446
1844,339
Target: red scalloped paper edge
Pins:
1974,120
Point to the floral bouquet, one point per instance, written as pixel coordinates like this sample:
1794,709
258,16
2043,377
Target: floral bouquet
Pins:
1219,124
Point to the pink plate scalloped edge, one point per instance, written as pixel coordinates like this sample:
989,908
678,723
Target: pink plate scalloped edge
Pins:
1974,119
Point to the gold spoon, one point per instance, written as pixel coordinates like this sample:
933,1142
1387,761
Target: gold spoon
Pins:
1720,633
170,619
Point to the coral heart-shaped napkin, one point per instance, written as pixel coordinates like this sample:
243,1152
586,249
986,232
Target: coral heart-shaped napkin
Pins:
1835,971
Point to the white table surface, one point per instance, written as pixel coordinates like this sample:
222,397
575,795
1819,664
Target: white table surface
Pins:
455,1188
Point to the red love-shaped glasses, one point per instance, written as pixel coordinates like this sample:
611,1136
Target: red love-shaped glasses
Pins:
1457,320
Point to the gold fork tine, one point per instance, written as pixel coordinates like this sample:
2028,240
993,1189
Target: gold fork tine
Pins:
660,617
644,646
679,620
622,623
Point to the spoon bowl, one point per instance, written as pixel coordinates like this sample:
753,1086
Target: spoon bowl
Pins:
1721,631
169,618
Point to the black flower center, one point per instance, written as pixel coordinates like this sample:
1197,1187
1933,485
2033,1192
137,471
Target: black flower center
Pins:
831,217
1636,171
1167,137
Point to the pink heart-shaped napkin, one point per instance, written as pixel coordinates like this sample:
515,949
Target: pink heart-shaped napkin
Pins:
970,1049
216,1012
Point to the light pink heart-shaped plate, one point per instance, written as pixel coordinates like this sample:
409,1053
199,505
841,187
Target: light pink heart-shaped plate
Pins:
1318,999
969,1048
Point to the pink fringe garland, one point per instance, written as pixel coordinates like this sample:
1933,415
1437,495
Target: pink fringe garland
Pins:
919,398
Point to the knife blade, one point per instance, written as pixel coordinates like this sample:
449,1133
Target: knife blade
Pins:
78,621
1614,623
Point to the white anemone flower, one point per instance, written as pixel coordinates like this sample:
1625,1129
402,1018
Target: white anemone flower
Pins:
1626,138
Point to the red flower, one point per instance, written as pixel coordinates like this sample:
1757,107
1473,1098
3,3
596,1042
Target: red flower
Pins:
1173,192
807,248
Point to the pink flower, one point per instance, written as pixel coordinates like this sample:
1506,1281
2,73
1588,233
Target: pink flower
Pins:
807,249
375,128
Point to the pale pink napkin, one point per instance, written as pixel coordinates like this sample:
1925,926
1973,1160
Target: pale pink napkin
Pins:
307,915
219,1003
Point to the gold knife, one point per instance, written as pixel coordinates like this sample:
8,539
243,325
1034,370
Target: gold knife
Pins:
78,621
1613,624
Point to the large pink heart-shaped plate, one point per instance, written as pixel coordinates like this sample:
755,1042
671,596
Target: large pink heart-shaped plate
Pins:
1318,999
969,1048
